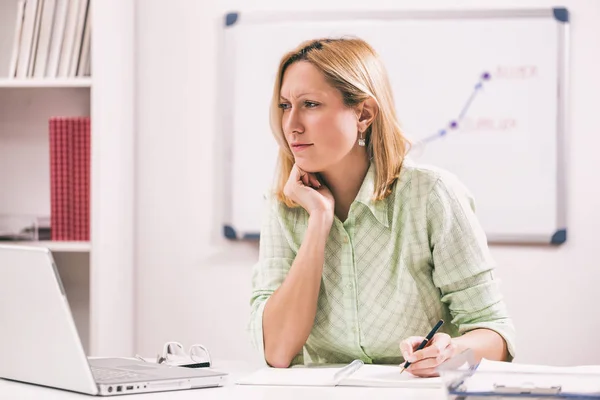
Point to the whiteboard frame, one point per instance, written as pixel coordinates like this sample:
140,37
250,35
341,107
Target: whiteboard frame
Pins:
560,14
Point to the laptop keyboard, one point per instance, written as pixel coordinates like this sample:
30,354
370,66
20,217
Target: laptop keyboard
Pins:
107,374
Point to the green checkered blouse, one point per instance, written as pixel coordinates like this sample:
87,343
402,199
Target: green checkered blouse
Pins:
392,270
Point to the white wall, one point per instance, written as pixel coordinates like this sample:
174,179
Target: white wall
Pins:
194,286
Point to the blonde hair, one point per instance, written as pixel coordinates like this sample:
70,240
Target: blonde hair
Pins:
353,67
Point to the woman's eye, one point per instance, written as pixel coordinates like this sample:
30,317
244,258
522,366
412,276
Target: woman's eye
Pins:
310,104
284,106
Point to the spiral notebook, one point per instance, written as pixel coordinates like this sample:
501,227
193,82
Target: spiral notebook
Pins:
354,374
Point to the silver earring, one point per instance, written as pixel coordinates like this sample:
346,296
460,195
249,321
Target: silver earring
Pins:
361,141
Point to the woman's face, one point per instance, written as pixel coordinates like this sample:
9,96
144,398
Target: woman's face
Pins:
318,127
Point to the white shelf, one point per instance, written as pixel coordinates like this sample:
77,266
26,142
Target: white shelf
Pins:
46,83
58,246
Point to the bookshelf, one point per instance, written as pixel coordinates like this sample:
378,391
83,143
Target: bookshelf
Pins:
97,274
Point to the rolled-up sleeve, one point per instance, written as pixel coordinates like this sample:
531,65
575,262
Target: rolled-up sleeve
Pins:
462,264
275,260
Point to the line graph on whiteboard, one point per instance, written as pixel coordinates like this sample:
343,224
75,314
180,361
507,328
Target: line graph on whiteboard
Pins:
463,123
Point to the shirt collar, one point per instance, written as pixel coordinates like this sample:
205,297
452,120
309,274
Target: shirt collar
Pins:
379,208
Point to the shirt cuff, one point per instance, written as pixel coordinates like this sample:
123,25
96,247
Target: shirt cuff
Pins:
256,329
257,334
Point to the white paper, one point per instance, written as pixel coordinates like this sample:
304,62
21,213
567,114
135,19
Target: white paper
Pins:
295,376
388,376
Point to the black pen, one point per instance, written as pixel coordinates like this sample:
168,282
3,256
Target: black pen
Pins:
425,341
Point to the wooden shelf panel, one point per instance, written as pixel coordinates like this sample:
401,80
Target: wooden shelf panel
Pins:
46,83
58,246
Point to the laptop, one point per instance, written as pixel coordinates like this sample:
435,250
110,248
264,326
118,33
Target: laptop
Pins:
39,343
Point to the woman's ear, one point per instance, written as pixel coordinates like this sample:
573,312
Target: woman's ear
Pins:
367,111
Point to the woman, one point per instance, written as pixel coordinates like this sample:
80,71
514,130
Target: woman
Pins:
361,251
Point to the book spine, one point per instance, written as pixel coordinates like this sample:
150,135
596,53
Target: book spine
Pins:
54,172
78,167
68,38
87,177
70,202
17,39
36,36
26,38
59,179
58,28
43,47
77,43
81,179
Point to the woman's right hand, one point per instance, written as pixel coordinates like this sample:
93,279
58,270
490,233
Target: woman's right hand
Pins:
305,189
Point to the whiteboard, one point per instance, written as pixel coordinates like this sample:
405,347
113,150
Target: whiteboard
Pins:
481,94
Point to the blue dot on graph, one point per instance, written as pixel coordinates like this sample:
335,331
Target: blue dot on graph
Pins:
442,132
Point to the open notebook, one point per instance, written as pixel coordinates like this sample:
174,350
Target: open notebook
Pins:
353,374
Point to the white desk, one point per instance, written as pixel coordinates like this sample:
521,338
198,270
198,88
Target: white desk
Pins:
20,391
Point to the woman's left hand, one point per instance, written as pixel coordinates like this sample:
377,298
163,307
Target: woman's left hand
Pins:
424,362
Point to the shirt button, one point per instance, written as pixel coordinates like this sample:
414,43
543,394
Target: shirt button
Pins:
345,239
349,286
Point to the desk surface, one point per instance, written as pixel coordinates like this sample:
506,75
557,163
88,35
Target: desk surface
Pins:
21,391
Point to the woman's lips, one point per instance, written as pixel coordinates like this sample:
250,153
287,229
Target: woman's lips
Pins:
300,147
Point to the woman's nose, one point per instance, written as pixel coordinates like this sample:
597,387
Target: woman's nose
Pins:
292,123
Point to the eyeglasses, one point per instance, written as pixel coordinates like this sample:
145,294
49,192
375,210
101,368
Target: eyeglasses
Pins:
174,354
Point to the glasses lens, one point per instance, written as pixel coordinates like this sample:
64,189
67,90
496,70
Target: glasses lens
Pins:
199,354
173,351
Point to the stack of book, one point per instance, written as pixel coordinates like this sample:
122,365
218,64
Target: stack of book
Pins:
70,178
51,39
